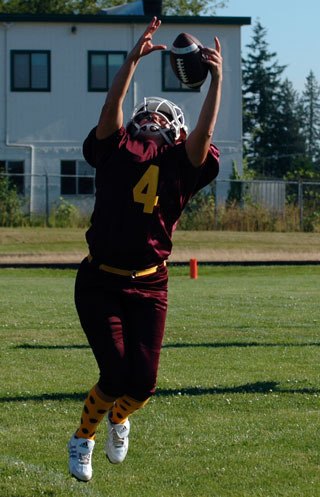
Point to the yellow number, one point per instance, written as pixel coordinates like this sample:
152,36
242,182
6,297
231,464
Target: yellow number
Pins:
145,191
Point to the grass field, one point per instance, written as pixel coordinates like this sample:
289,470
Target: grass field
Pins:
68,245
237,409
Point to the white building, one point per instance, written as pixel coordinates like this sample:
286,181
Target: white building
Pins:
54,74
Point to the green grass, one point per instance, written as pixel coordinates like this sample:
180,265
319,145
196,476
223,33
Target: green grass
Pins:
37,240
48,240
237,409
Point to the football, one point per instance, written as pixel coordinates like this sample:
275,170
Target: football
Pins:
186,62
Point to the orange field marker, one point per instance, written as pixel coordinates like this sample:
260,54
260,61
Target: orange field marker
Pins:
193,268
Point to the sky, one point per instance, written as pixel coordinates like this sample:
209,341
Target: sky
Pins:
292,32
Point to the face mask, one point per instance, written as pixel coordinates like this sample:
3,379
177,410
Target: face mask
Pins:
151,131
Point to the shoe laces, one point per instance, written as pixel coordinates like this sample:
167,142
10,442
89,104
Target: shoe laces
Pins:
84,458
118,441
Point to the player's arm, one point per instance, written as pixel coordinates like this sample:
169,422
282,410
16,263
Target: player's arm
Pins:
198,142
111,117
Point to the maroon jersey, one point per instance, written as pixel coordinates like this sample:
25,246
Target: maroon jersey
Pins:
141,191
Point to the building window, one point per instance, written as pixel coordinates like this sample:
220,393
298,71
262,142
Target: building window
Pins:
102,67
170,82
77,178
30,70
14,171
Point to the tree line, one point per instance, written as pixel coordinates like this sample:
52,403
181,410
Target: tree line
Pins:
281,128
178,7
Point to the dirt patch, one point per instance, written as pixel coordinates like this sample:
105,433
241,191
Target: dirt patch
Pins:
212,255
178,255
42,258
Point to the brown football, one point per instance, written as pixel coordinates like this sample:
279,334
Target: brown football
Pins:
186,62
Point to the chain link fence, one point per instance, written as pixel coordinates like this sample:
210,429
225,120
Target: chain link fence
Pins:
226,204
292,204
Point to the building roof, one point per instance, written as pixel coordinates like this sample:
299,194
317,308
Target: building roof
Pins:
116,19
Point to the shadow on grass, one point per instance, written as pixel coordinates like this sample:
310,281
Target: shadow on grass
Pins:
179,345
262,387
38,346
237,344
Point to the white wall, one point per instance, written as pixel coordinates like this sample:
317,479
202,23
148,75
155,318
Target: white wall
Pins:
55,123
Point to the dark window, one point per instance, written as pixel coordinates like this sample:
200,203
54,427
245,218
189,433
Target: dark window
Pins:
14,170
30,70
102,67
68,177
77,178
170,82
85,179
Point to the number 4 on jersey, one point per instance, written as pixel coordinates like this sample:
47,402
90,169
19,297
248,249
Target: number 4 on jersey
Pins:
145,191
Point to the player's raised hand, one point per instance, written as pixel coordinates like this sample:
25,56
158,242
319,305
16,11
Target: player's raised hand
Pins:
213,57
144,46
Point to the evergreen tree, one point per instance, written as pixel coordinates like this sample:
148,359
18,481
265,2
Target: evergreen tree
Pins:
53,6
289,144
261,86
192,7
311,117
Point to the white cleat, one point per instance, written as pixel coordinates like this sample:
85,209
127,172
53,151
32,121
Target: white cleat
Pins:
80,454
117,442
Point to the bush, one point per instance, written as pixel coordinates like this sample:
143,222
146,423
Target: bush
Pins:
202,214
64,215
254,217
251,217
199,213
10,204
311,222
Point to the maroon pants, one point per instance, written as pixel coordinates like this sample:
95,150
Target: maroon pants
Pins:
124,320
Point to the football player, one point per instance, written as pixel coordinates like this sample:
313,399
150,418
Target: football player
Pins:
145,174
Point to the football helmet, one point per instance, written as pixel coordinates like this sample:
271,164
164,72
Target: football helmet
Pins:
168,111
